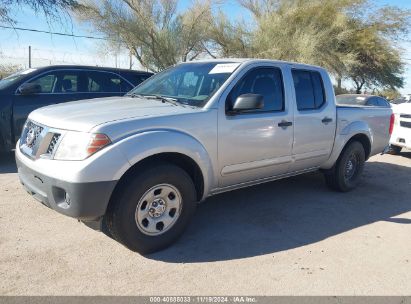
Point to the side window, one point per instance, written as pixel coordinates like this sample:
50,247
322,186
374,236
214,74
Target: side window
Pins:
382,102
46,82
139,78
373,101
264,81
106,82
309,90
69,82
58,82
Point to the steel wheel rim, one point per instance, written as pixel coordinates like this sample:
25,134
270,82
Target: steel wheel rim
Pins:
158,209
351,166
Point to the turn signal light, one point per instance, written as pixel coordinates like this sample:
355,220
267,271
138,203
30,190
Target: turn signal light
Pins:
97,142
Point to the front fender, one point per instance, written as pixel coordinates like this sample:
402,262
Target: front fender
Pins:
142,145
343,136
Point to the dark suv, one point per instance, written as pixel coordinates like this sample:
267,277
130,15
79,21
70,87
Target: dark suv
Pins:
28,90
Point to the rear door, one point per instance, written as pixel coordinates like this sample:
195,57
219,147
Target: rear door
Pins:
56,86
104,84
314,118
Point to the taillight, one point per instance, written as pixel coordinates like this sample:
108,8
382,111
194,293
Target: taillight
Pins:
392,120
97,142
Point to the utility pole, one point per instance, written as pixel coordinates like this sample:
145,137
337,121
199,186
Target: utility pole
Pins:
29,56
131,60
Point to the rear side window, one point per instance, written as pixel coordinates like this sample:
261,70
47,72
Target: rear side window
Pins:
309,89
102,82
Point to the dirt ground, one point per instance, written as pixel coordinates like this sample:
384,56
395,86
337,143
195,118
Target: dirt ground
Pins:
290,237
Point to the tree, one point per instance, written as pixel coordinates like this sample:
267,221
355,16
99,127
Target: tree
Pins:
293,30
374,41
50,8
7,69
350,38
155,33
390,94
228,39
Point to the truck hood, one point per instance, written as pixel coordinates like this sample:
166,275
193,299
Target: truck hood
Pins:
85,114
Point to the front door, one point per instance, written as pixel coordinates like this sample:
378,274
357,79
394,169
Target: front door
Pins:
256,144
55,87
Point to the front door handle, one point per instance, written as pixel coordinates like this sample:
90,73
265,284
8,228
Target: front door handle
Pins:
285,124
326,120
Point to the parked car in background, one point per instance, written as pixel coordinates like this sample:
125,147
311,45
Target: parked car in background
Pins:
25,91
401,135
362,100
140,163
401,100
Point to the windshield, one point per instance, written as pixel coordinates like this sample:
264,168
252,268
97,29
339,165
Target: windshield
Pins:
14,77
351,100
188,83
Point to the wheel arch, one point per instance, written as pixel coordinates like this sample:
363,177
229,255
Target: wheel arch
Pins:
180,160
364,138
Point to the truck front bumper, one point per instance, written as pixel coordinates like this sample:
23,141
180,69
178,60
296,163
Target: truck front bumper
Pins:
86,201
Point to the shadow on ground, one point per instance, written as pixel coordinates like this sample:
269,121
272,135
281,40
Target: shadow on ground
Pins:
7,163
406,153
285,214
290,213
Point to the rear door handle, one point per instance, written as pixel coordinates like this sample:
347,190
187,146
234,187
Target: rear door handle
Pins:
285,124
326,120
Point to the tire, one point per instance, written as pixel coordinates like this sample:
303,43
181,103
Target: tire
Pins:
394,150
163,193
346,173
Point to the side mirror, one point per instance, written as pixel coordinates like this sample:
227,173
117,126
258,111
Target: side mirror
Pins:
248,102
29,89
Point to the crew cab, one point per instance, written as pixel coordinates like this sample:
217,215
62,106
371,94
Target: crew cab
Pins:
30,89
401,135
139,164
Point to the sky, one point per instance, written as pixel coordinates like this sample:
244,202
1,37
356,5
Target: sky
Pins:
53,49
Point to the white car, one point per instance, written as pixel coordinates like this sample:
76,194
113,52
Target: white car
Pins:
401,135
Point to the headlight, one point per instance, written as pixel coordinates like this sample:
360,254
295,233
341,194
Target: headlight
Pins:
79,145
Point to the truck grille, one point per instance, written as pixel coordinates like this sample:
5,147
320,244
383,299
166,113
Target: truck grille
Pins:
31,134
53,143
38,141
405,115
405,124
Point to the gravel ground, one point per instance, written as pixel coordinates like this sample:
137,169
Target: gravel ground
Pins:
290,237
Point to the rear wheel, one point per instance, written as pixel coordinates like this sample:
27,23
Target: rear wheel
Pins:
394,150
346,173
151,210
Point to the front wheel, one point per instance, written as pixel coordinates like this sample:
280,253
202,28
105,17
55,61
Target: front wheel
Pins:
151,211
346,173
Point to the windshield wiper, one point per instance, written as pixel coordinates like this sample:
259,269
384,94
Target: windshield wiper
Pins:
164,99
134,95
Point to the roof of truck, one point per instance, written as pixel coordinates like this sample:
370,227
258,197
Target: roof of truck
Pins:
253,60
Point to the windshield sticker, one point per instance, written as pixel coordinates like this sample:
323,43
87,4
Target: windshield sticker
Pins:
224,68
27,71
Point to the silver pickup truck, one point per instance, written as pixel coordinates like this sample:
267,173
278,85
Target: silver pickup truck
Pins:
139,164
